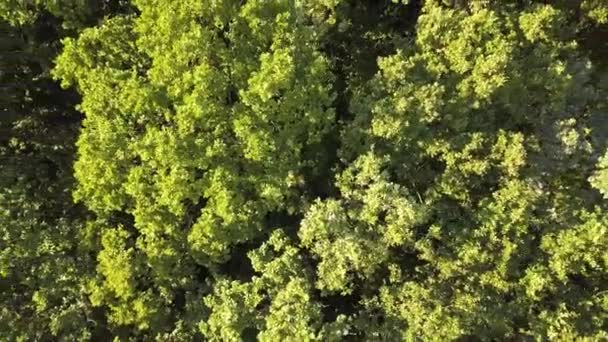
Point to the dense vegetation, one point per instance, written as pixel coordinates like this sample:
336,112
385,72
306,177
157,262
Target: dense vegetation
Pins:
303,170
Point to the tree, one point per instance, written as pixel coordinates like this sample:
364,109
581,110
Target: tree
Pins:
204,121
306,170
484,120
42,265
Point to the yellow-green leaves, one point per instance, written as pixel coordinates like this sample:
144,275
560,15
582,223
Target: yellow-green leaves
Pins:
292,315
599,179
323,170
352,237
233,310
199,117
213,103
580,249
117,264
481,124
277,302
596,10
541,24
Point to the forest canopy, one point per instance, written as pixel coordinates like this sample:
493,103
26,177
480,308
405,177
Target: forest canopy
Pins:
303,170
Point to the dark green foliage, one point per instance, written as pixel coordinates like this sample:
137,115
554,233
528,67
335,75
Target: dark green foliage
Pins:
42,265
39,264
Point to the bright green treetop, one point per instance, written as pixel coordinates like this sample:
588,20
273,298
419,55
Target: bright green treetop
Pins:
306,170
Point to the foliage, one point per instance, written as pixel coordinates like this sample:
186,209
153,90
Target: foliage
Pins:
40,273
42,265
74,14
305,170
